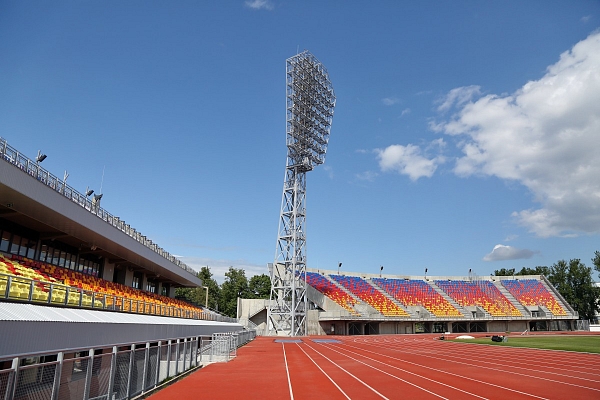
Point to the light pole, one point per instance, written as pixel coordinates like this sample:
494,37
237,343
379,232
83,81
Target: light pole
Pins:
380,270
339,266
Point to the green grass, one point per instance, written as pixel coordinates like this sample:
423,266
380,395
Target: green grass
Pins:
589,344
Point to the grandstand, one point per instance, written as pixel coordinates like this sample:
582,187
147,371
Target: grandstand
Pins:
87,303
357,304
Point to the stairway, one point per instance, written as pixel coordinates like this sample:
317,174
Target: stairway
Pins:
525,312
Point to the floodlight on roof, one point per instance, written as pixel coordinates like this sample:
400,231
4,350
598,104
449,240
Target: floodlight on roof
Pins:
97,197
40,157
89,192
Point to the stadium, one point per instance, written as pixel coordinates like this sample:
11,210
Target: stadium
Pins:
88,308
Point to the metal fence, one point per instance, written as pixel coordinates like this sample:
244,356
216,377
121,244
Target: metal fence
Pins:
117,373
20,288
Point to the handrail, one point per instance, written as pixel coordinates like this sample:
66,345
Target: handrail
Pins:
69,296
32,168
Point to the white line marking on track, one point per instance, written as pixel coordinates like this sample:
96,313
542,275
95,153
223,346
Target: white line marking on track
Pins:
521,374
453,374
386,373
348,372
324,373
287,371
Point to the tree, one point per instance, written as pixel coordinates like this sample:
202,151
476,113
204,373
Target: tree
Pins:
260,286
234,286
524,271
574,282
191,295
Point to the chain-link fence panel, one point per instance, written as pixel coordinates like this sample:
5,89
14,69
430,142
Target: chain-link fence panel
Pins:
121,376
35,382
72,379
101,370
181,356
137,373
173,359
6,380
194,352
151,368
163,368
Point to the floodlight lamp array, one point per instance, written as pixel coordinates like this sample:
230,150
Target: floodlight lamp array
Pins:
310,104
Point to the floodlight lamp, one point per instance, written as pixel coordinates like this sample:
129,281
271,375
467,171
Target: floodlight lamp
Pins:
40,157
97,197
89,192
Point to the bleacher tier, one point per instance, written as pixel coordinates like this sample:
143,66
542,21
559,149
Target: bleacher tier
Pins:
64,286
531,292
373,297
479,293
330,290
414,292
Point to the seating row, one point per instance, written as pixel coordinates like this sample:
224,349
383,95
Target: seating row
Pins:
64,286
373,297
531,292
414,292
479,293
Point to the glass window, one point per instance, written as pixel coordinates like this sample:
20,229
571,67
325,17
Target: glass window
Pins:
23,248
16,243
4,241
43,252
73,262
55,256
61,258
31,248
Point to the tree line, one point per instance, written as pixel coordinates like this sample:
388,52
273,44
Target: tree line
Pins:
573,280
223,298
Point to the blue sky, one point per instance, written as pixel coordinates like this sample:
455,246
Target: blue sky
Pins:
465,133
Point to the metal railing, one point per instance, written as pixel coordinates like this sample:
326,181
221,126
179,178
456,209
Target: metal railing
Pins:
116,373
32,168
19,288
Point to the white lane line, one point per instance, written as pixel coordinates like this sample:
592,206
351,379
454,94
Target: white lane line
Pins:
403,370
435,354
521,374
287,371
348,372
382,371
324,373
451,373
408,372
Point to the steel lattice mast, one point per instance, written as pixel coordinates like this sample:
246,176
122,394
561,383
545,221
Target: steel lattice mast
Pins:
310,104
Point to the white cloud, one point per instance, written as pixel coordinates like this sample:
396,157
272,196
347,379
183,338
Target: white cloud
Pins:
329,171
406,111
390,101
259,4
545,136
586,18
502,253
220,267
457,97
407,160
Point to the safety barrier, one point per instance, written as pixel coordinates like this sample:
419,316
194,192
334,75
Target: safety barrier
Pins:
117,373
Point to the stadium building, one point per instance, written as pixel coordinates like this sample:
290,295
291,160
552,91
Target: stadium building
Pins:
87,307
366,304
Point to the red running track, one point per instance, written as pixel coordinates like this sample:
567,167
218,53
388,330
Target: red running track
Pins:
390,367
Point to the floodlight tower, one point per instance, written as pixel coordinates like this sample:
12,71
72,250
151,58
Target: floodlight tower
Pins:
310,102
